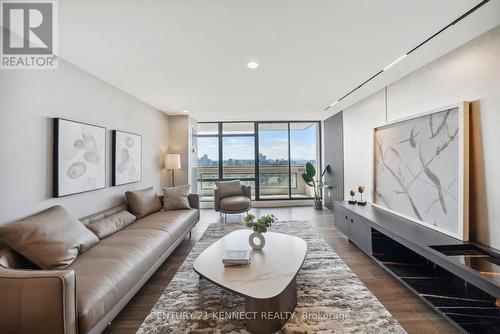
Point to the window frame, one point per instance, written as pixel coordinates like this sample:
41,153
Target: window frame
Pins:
220,135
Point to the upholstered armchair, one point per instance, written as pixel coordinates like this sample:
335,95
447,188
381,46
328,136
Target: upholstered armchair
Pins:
231,197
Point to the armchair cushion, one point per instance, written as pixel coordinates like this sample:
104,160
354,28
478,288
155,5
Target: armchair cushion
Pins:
50,239
229,188
235,204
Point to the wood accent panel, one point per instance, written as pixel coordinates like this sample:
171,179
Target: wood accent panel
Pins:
478,207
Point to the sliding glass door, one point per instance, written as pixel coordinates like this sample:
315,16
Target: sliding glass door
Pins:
238,153
208,159
304,148
274,173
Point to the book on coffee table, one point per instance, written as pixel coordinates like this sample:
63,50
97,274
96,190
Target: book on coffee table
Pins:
236,257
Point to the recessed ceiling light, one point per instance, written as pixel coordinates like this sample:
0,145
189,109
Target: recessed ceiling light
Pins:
186,111
252,65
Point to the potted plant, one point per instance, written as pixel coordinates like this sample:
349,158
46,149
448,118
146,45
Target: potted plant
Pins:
316,183
259,227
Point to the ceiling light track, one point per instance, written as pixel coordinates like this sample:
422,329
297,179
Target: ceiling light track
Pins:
463,16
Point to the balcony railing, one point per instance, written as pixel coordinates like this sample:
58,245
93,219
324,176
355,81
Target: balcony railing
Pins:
273,180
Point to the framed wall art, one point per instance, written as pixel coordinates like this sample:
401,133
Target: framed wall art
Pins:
79,157
127,157
421,169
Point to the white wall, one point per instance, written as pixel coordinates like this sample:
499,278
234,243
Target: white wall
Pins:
471,72
359,121
28,101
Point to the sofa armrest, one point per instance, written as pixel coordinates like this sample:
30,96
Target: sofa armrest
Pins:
216,200
194,201
38,301
247,190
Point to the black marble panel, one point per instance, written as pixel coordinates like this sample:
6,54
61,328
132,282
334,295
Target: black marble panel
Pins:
470,308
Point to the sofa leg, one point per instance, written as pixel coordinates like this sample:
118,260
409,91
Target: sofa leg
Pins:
190,234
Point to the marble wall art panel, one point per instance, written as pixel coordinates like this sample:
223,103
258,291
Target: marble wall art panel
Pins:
79,157
127,157
420,169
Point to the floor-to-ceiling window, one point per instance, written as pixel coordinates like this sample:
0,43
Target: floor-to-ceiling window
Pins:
208,158
304,148
238,152
269,156
274,161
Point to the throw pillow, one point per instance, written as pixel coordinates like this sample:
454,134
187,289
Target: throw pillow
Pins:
111,224
229,188
143,202
50,239
176,198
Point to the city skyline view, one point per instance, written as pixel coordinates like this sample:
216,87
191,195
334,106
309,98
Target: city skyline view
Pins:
206,161
273,145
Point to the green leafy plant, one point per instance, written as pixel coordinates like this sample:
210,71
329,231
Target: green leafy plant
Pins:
316,183
260,225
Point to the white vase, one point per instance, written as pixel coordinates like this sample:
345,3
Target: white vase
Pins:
262,240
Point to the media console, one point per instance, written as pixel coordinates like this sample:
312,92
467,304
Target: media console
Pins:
460,280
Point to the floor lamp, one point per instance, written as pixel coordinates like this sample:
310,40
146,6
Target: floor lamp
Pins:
173,162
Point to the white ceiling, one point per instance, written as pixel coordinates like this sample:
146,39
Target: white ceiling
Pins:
187,54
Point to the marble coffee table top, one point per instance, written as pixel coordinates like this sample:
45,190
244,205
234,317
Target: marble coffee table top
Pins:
270,271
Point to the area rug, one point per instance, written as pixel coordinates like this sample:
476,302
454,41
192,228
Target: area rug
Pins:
330,298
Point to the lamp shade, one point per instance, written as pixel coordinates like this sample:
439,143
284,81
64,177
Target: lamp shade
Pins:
173,161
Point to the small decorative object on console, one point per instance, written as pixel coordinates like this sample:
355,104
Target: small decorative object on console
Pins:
352,200
259,227
361,190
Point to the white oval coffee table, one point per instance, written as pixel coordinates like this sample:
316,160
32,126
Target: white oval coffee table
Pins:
267,283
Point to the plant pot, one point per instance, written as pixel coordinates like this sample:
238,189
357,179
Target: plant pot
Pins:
260,237
352,201
318,204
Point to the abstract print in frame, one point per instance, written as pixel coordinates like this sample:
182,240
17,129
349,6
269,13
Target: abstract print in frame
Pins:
79,157
421,169
127,158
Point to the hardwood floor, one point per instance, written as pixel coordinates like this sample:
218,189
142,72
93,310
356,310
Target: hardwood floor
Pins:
412,313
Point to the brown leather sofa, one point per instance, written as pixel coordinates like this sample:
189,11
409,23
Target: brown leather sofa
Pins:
87,295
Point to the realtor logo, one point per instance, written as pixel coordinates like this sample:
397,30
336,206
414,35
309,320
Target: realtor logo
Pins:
28,35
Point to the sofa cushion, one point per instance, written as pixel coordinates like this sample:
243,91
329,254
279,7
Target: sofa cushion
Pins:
143,202
229,188
176,198
111,224
107,271
51,239
9,258
235,203
174,222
